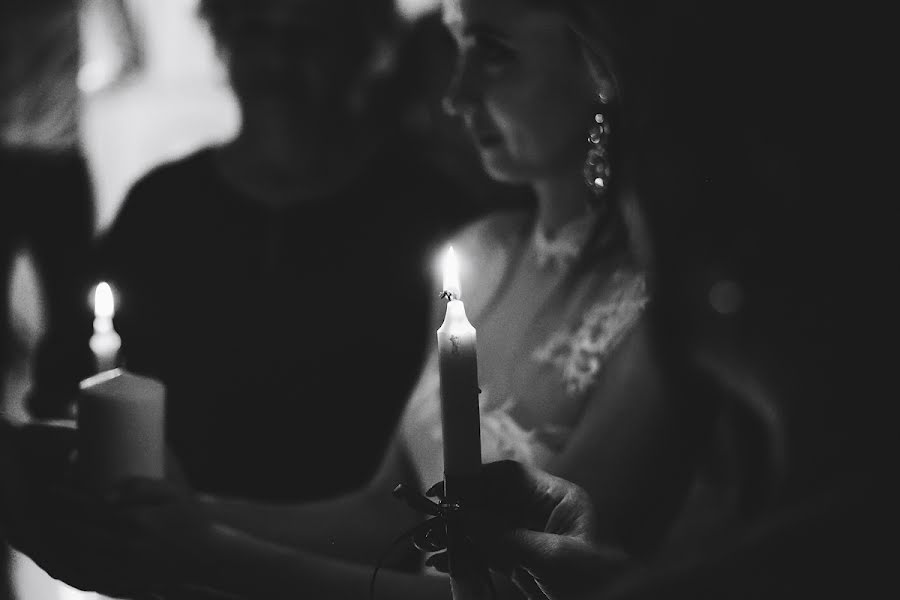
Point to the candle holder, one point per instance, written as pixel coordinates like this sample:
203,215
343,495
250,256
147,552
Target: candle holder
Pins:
444,533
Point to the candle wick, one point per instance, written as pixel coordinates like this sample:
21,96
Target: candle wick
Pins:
448,295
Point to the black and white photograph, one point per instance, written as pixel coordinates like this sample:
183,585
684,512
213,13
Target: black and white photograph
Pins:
430,299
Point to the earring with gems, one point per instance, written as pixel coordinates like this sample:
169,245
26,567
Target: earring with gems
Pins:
597,165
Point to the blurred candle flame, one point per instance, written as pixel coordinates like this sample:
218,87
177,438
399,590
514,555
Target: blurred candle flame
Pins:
105,342
104,307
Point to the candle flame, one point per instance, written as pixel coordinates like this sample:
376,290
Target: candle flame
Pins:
451,275
103,301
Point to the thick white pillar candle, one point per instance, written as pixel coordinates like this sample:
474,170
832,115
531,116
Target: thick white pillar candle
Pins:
105,342
121,428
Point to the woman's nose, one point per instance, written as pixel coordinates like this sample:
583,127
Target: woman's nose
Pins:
463,93
449,106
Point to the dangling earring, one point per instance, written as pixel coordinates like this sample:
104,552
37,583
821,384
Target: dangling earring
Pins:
597,165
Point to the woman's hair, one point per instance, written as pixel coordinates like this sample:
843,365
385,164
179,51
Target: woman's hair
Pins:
713,119
737,130
604,52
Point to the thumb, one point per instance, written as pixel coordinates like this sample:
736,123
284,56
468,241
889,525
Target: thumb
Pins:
552,558
506,550
540,551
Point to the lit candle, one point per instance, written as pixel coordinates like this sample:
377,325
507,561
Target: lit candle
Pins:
105,342
459,386
461,426
121,422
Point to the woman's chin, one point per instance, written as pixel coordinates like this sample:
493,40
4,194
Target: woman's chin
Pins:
499,167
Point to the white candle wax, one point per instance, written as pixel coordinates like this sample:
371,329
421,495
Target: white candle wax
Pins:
121,428
105,342
459,388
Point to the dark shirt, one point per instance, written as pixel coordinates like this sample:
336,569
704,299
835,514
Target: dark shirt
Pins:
46,206
288,339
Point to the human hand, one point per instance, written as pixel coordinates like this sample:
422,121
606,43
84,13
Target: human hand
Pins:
10,475
33,459
71,536
540,530
169,535
47,449
89,542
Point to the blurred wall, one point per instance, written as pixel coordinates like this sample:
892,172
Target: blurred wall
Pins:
173,101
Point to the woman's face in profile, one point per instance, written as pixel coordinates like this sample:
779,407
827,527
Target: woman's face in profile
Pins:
521,88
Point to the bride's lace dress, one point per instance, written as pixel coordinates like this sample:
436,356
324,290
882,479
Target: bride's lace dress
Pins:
530,404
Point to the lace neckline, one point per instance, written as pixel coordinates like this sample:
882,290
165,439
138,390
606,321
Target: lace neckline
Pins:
562,250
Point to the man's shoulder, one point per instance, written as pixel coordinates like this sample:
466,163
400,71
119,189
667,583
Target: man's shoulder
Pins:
184,174
166,200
